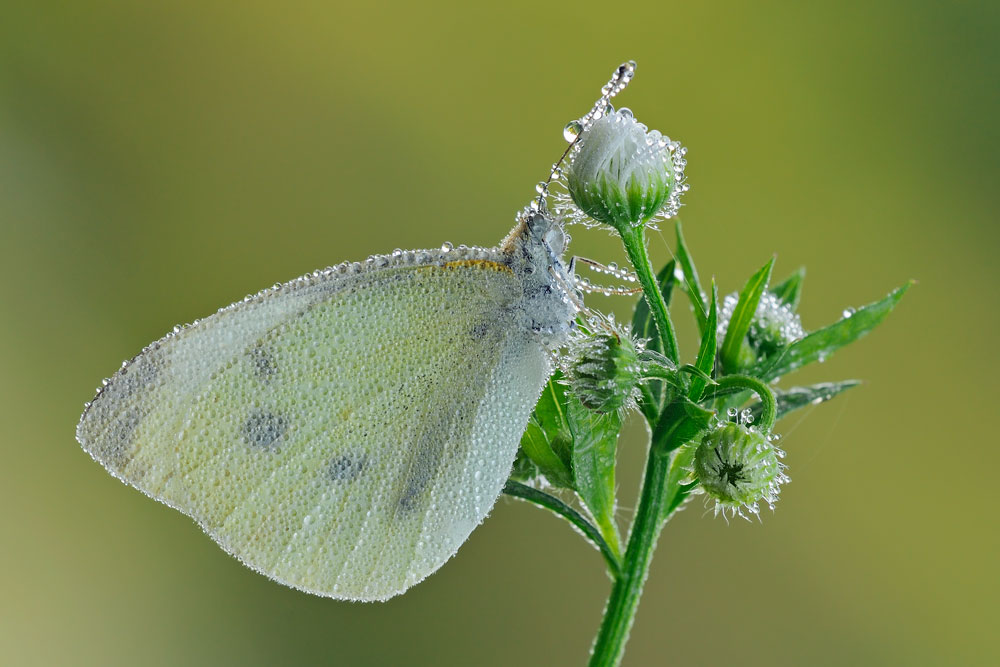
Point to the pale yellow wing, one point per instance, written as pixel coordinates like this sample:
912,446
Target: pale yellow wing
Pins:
343,433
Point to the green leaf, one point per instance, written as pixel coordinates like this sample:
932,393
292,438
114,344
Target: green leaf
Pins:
819,345
524,469
743,314
692,286
800,397
677,489
680,422
574,448
693,371
643,326
548,440
714,392
595,440
706,354
789,291
671,377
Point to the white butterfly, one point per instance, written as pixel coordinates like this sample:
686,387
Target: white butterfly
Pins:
343,433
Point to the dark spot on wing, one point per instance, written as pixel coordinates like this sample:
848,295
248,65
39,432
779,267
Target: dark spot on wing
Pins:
492,325
480,330
263,363
263,429
347,468
423,466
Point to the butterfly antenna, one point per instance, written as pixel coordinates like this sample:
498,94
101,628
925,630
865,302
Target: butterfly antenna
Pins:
569,291
574,129
612,270
585,285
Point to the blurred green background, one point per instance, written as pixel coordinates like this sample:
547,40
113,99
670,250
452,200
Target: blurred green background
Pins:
159,160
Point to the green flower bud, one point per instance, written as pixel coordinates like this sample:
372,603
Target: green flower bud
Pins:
774,325
622,175
603,370
739,467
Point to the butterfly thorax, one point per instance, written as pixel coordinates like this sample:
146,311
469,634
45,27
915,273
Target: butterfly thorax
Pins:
533,250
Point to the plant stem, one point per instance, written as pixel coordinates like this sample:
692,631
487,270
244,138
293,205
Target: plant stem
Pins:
624,600
768,405
627,589
635,247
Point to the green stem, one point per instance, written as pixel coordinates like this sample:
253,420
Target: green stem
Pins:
769,409
627,589
624,600
542,499
635,247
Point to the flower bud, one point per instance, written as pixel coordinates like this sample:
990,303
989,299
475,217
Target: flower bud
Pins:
622,175
603,369
738,467
774,325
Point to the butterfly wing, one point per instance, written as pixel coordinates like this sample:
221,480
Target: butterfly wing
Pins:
342,434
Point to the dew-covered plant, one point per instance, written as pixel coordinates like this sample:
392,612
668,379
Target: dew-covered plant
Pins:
711,416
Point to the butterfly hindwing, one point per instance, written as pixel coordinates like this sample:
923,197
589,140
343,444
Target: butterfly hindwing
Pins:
341,435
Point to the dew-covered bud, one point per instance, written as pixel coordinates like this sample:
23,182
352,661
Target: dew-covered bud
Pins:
739,467
623,175
774,325
603,368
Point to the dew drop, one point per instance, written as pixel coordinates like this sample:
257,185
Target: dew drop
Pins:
848,312
446,246
572,130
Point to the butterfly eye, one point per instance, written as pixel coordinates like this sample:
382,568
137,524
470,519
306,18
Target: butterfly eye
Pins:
555,238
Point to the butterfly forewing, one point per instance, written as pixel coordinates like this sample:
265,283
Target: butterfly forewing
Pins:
342,434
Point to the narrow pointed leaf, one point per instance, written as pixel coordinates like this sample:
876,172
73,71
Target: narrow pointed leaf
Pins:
695,371
670,377
678,489
714,392
743,314
821,344
709,347
789,290
800,397
595,440
691,284
548,440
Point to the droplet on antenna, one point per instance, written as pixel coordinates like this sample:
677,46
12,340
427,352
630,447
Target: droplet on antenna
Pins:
572,130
